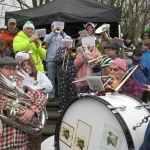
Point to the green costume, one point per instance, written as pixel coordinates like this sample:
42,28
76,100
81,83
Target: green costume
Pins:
21,43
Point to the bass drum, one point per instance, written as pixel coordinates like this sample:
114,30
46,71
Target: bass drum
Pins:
101,123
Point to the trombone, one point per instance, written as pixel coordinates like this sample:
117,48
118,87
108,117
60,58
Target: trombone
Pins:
72,52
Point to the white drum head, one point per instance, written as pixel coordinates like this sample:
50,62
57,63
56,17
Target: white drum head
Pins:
88,124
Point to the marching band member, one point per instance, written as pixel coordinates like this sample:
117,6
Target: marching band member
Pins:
111,50
53,40
118,68
27,64
66,74
81,61
84,87
90,28
27,41
10,136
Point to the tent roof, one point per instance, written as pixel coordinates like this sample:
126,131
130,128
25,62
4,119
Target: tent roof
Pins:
67,11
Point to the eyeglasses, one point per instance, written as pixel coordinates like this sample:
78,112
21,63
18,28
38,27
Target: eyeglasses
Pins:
9,69
145,35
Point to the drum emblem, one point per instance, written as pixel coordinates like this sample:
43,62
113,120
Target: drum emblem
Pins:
66,133
112,139
80,143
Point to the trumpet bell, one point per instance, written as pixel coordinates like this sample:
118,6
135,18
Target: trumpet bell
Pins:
102,28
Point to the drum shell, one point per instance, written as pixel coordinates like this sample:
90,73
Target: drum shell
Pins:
94,112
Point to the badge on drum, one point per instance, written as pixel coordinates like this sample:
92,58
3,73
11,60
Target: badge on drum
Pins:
112,138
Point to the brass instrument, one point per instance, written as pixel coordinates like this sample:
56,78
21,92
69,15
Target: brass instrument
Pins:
40,43
18,101
72,52
91,61
57,30
103,30
124,79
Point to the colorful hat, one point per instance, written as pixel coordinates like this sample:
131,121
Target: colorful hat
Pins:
122,63
12,20
28,24
105,62
20,57
148,29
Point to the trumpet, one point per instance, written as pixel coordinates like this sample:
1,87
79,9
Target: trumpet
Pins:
91,61
38,42
57,30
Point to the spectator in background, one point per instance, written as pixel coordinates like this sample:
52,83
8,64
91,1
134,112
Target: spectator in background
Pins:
127,44
142,73
9,33
5,50
28,42
146,52
144,35
53,41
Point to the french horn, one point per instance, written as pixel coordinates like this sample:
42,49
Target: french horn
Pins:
18,101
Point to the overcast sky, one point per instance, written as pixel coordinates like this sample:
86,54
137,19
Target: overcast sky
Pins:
8,5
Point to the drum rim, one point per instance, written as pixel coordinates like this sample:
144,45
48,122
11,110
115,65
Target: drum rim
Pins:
121,121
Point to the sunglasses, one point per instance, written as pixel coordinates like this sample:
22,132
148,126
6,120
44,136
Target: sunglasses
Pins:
138,54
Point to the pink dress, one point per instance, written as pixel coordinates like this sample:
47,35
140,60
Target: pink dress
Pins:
81,65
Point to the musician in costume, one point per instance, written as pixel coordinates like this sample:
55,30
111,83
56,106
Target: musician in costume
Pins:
27,41
26,63
86,54
10,136
118,68
66,74
90,28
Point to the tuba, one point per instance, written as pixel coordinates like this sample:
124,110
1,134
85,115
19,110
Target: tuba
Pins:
103,30
18,101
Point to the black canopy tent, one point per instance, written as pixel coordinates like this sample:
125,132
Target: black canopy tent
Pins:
73,12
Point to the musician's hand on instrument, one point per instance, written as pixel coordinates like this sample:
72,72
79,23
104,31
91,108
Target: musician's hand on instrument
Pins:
146,88
114,82
88,57
104,43
83,83
2,102
27,115
33,38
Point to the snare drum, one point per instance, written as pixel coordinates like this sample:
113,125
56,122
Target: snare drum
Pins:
101,123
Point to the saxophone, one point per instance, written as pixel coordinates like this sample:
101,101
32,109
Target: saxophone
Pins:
18,101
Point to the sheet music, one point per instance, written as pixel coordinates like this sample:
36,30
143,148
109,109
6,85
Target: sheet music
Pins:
88,41
66,42
59,24
83,33
95,83
40,32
